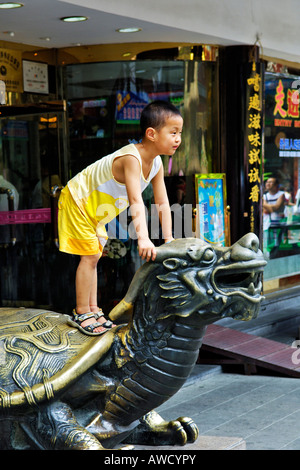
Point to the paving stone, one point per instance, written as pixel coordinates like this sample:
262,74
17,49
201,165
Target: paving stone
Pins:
264,411
203,443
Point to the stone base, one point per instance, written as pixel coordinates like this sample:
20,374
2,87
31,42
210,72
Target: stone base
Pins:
203,443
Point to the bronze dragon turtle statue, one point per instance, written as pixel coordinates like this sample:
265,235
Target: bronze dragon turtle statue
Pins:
61,389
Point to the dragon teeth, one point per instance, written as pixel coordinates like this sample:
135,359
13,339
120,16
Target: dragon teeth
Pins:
251,288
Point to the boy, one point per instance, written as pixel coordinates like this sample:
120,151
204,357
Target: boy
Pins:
99,193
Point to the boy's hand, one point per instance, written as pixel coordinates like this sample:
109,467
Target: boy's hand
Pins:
146,249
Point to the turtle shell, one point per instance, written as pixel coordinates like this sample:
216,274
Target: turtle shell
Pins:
41,355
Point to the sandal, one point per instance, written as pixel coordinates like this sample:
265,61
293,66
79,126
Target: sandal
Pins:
89,329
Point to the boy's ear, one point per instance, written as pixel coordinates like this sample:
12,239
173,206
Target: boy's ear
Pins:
150,133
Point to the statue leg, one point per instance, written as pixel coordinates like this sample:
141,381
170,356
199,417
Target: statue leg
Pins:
109,433
154,430
56,428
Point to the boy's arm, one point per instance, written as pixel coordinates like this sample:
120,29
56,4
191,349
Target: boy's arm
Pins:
132,171
162,204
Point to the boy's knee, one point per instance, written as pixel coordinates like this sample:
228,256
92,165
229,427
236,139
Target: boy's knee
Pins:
92,260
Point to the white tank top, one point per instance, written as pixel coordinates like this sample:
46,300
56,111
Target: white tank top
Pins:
272,199
98,195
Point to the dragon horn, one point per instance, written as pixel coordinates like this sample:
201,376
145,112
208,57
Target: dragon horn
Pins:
125,306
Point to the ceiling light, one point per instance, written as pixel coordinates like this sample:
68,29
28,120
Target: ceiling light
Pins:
74,19
128,30
10,5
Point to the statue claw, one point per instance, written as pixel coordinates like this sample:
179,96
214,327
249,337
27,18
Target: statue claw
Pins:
154,430
190,428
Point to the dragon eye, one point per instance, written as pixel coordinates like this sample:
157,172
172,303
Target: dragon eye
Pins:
208,255
171,263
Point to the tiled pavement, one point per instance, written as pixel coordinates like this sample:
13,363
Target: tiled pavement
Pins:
263,410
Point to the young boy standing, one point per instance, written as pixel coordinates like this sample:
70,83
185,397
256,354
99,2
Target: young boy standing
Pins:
96,195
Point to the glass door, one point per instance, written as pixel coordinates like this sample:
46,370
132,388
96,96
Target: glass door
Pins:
31,170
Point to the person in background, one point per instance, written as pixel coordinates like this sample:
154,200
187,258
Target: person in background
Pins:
273,202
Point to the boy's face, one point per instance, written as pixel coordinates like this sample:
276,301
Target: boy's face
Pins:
168,137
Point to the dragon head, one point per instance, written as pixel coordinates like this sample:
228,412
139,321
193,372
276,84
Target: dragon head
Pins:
212,280
190,276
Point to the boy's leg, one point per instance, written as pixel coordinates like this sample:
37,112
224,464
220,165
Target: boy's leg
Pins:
93,301
86,288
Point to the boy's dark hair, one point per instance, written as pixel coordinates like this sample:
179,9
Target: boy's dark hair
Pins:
155,115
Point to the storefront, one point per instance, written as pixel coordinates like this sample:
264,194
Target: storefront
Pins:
99,112
281,166
241,126
105,101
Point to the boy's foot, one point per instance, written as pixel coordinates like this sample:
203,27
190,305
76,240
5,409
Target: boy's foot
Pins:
99,316
86,323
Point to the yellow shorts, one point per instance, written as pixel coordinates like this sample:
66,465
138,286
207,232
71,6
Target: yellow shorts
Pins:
76,235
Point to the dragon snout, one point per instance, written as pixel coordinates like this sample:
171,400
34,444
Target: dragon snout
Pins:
245,249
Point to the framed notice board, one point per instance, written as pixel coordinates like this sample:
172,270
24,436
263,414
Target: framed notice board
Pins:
35,77
212,217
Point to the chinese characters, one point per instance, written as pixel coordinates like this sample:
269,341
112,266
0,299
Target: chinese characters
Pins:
292,110
254,139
